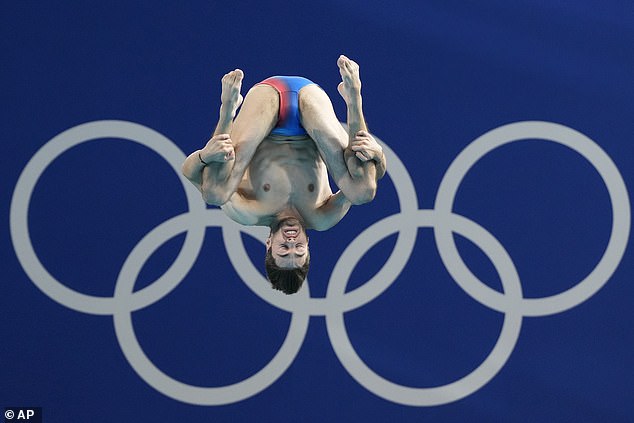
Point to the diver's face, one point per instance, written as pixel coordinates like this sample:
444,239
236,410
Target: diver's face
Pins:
289,244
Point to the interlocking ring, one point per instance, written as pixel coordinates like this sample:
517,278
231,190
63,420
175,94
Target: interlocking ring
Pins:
337,301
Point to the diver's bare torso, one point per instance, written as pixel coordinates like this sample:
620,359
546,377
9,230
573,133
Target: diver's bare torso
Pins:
284,174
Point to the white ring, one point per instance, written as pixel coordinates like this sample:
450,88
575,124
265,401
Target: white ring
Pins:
302,301
590,151
158,379
42,159
477,378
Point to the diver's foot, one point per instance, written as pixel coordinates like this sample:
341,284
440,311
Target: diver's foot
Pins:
350,86
230,97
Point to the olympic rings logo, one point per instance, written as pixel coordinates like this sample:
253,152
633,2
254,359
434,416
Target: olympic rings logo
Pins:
302,306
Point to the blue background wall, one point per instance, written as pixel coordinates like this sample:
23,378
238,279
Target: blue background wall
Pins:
436,75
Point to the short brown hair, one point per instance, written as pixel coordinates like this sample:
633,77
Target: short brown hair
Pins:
286,280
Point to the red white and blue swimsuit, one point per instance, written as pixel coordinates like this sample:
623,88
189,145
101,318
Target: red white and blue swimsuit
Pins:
288,87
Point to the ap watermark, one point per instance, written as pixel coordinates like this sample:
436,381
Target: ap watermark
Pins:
23,414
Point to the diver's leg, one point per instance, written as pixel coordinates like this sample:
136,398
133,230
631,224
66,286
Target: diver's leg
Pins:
353,172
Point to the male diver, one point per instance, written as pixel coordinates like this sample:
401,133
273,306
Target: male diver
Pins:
268,165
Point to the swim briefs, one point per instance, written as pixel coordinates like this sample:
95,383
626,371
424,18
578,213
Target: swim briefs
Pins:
288,87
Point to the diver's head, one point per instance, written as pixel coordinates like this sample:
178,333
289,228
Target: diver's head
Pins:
287,255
